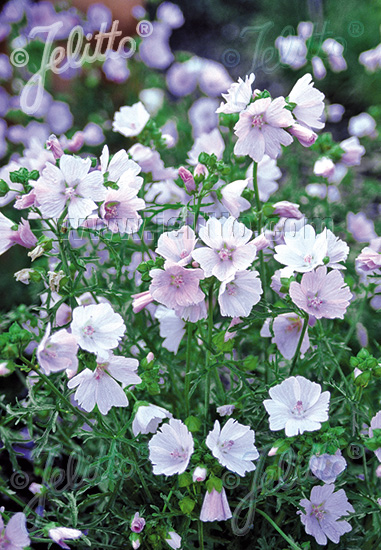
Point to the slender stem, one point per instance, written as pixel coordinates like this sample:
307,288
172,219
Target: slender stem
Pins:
210,332
277,528
187,369
259,225
297,353
201,534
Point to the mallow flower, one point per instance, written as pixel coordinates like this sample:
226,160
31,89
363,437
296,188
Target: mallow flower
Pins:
327,467
239,293
130,120
60,534
15,535
58,351
147,419
215,506
170,448
233,446
297,405
303,250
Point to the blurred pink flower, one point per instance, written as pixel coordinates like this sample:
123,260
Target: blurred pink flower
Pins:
130,120
238,96
9,236
15,535
58,351
361,227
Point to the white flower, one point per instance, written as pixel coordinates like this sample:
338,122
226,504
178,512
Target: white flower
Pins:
172,328
309,103
233,446
303,250
130,121
231,197
207,143
238,96
297,405
148,418
170,448
239,293
337,250
97,328
59,534
119,164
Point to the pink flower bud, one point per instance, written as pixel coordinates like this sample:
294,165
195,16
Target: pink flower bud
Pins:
260,242
287,209
141,301
201,170
304,135
76,142
378,471
318,68
273,451
137,524
55,147
188,179
324,167
35,488
199,474
195,264
150,357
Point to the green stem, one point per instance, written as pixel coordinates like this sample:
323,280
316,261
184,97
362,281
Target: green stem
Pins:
210,332
201,535
277,528
187,369
297,353
259,226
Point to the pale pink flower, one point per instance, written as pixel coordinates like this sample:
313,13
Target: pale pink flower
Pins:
141,300
173,540
15,535
60,534
71,184
375,424
199,474
324,167
238,96
130,121
225,410
361,227
137,524
231,197
97,328
327,467
177,246
172,328
148,418
118,166
261,242
10,234
170,448
303,134
260,129
321,294
287,328
188,179
337,250
239,293
58,351
53,145
233,446
100,387
193,313
267,174
353,151
174,286
215,506
292,50
209,143
362,125
287,209
120,209
309,103
334,51
323,511
297,405
303,250
227,250
368,260
36,488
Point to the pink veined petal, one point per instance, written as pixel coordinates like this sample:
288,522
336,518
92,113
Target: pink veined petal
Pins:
74,169
92,186
207,258
79,209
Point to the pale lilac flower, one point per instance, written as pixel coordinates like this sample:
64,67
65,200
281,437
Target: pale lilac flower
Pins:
54,146
304,135
10,234
362,125
287,328
120,209
232,199
100,387
215,506
170,448
378,474
130,121
318,67
368,260
337,250
71,184
227,250
148,418
188,179
375,424
15,535
287,209
292,50
238,96
328,467
136,541
335,112
193,313
177,246
303,250
239,293
173,540
97,328
324,167
353,151
334,51
60,534
207,143
225,410
118,166
153,99
233,446
309,103
297,405
199,474
371,59
36,488
172,328
58,351
137,524
260,129
141,300
361,227
174,286
323,511
267,174
321,294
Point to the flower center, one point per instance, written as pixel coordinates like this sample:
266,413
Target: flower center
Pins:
298,409
89,330
227,445
231,289
257,121
314,302
308,259
70,192
177,280
318,513
183,254
294,324
111,210
176,454
226,253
